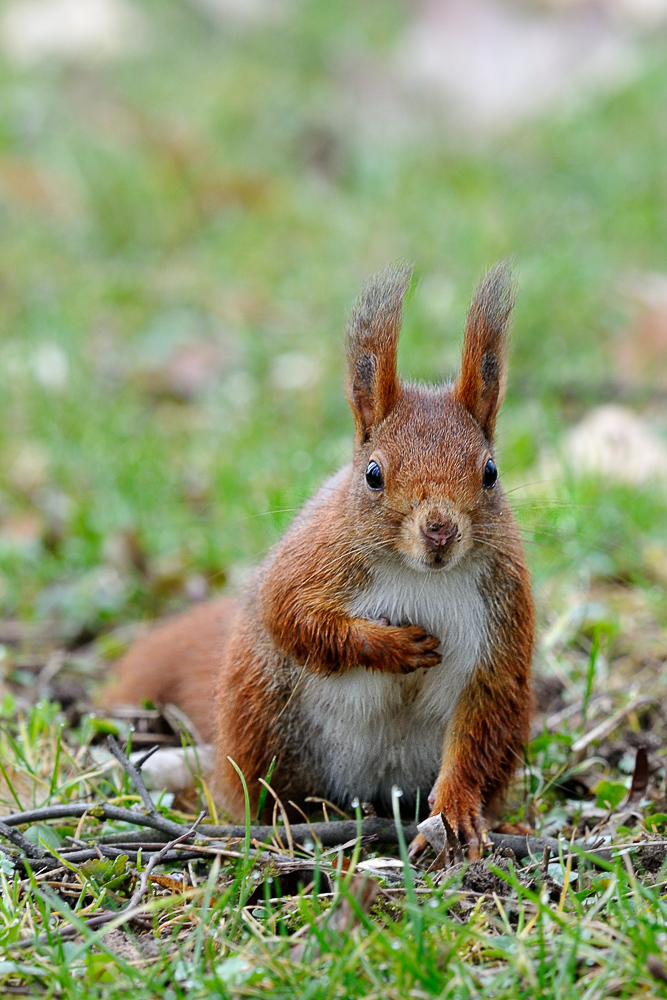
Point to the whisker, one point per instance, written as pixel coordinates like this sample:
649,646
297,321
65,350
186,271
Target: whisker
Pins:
267,513
526,503
537,482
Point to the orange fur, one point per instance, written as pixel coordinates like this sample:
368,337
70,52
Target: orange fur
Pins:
369,592
178,663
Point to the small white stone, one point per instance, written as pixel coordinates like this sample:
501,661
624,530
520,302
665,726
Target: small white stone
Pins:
33,30
51,367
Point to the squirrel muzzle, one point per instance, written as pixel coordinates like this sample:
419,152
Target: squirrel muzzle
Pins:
439,535
435,536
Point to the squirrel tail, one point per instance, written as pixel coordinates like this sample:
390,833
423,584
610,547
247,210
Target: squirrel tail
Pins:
177,663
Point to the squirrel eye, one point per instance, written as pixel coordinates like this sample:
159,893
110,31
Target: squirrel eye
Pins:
374,479
490,475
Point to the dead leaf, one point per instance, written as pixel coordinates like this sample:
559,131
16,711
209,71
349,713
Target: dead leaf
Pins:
26,185
379,863
453,843
639,777
433,830
168,573
362,889
125,552
656,968
174,768
167,882
189,370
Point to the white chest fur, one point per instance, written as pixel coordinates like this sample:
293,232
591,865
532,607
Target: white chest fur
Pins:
368,731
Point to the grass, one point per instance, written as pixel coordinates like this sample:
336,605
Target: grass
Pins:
601,935
213,199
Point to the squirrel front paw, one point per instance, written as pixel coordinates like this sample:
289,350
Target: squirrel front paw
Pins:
398,649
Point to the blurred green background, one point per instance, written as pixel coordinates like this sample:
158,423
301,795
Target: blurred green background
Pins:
185,222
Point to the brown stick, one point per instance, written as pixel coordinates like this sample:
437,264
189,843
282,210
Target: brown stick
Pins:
18,840
134,773
328,834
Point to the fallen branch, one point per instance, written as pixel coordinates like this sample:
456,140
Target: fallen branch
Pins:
329,834
192,853
30,850
99,812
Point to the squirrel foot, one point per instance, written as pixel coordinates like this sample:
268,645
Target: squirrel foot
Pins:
469,826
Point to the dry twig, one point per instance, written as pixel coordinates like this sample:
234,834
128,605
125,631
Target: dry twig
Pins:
607,726
18,840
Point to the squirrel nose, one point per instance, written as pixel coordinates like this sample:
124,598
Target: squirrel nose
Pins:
440,534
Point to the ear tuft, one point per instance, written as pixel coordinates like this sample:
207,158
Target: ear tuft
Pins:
371,344
481,384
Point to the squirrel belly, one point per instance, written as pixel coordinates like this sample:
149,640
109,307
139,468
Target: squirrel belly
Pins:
365,731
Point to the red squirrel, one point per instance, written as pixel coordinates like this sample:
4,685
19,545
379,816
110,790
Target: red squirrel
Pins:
387,638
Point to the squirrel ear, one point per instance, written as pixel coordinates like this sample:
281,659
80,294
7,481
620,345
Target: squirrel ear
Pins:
480,386
371,343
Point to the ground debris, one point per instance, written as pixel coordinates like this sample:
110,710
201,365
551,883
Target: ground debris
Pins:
652,856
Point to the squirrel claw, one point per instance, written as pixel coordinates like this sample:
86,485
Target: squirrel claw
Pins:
471,831
398,649
474,832
417,846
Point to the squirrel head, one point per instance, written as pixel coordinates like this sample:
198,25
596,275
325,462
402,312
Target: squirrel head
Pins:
424,480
